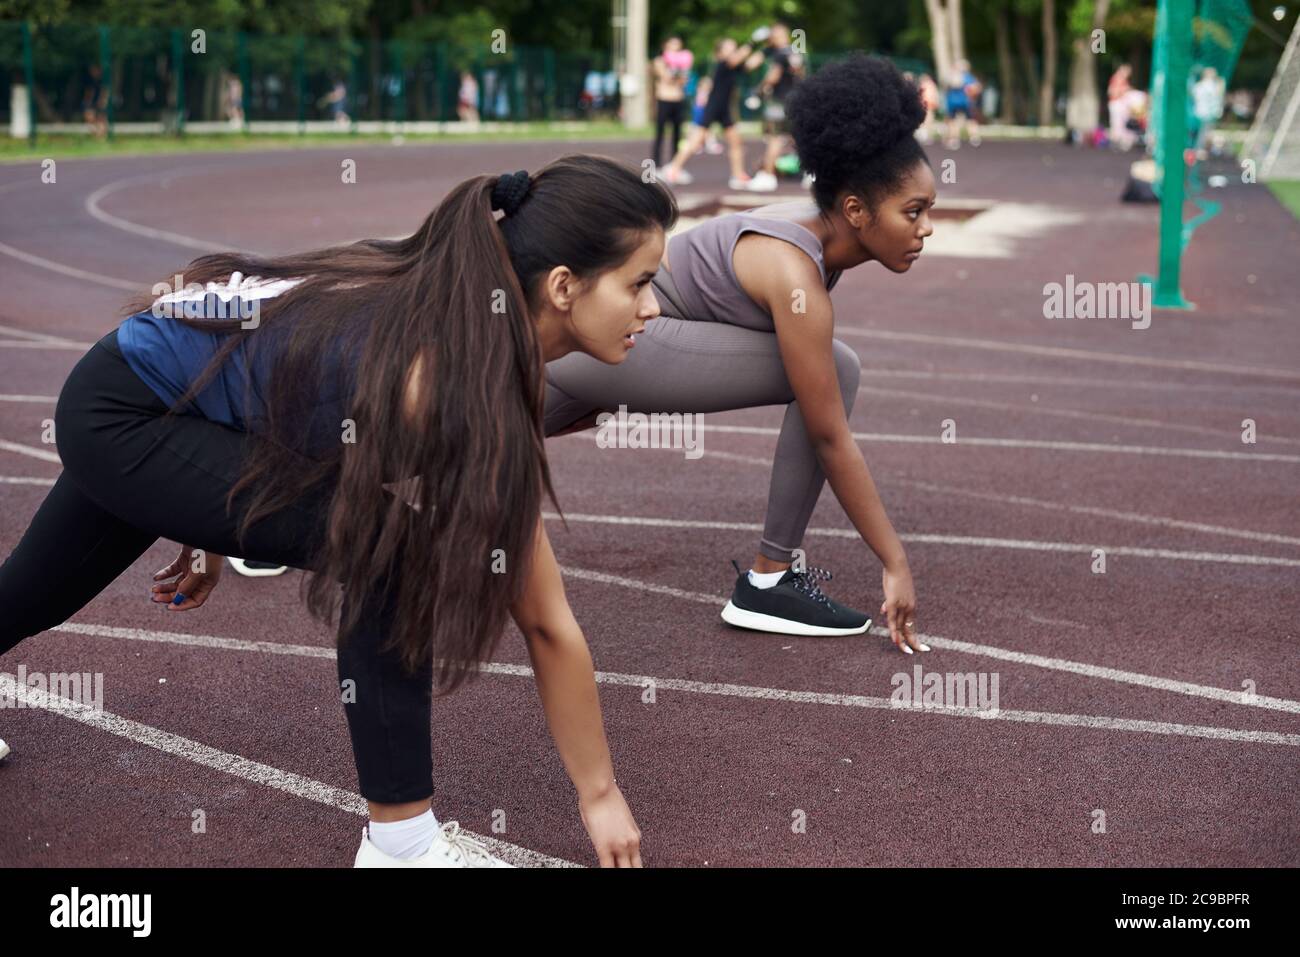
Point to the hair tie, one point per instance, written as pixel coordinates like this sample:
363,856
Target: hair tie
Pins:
510,190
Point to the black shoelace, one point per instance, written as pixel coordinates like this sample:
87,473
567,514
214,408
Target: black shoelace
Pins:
806,582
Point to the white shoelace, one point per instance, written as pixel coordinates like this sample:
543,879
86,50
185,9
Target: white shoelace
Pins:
466,848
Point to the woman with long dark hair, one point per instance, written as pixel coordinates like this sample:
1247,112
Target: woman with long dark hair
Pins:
372,413
747,321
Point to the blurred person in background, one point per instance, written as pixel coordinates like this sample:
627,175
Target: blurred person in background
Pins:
731,60
962,90
467,98
786,67
672,69
1207,107
94,100
930,100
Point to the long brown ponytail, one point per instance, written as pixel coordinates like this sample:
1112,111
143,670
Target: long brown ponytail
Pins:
452,548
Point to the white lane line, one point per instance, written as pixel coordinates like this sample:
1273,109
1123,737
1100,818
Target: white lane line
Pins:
29,398
1137,517
1065,352
23,480
871,372
233,764
36,336
1051,445
1034,409
32,344
804,697
990,651
1073,548
41,261
93,208
43,454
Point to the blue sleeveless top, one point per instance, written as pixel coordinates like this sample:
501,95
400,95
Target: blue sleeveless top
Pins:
169,355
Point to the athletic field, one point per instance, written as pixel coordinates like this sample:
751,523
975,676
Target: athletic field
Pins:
1101,520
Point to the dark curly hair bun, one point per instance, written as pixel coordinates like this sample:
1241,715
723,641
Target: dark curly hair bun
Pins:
853,123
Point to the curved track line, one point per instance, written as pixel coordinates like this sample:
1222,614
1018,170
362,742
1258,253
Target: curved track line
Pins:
91,205
72,271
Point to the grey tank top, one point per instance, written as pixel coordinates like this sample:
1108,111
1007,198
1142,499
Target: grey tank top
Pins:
700,283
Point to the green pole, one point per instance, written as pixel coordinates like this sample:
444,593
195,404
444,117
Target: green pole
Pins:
106,66
245,76
178,61
1174,19
300,80
29,76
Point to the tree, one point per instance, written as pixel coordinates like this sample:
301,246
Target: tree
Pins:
947,38
1047,91
1084,107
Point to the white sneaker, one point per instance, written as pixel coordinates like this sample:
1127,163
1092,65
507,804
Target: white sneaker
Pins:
4,749
256,569
681,179
763,182
739,185
808,180
450,848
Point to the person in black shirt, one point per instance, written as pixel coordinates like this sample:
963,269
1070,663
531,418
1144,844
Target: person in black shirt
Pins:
785,69
93,100
731,60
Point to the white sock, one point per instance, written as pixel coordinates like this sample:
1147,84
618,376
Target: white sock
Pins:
764,581
405,839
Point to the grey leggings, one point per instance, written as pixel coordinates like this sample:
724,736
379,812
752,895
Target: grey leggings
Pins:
681,365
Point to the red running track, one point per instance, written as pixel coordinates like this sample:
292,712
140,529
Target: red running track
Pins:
1121,694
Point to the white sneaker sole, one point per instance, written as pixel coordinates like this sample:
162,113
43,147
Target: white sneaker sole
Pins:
4,750
781,626
240,566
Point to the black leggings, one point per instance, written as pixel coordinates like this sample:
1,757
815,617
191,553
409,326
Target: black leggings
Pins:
669,112
132,475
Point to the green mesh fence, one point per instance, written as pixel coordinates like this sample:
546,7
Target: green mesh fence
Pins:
173,77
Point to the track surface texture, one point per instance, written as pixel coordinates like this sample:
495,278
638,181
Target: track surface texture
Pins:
1146,716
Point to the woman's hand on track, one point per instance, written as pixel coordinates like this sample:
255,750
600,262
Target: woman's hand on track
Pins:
899,608
614,834
193,576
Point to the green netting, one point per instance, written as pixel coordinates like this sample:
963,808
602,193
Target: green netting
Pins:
1190,36
1219,31
174,77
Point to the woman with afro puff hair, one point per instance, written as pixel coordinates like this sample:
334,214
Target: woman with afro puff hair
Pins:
746,320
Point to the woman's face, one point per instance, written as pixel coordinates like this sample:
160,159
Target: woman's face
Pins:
902,222
610,310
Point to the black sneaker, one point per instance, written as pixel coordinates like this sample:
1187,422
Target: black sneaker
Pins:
795,605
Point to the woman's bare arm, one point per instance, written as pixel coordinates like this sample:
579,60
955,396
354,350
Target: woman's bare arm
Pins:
782,279
565,675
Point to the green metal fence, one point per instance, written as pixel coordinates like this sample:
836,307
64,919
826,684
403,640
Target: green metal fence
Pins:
177,77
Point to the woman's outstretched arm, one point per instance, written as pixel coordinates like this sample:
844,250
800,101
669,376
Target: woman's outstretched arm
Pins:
792,290
566,682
